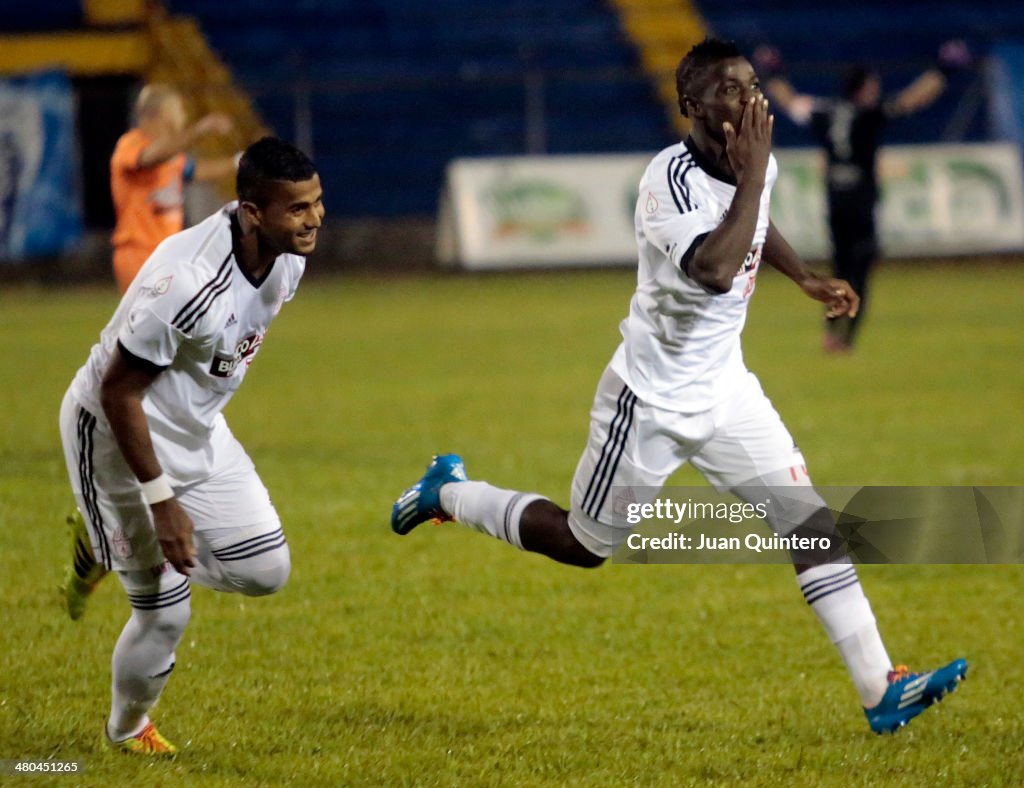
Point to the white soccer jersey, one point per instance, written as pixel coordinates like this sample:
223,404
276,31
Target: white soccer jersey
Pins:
681,344
194,313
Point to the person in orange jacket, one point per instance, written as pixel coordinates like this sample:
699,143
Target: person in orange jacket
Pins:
148,171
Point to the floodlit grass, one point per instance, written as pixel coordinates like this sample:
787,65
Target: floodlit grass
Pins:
448,658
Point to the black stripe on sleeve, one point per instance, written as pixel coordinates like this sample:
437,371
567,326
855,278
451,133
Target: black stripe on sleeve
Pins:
684,261
193,320
677,171
197,301
683,188
139,363
671,185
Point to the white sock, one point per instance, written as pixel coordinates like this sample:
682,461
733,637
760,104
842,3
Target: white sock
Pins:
144,655
121,735
835,594
142,663
486,508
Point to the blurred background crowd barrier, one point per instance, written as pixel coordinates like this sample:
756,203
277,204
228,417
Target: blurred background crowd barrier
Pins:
531,211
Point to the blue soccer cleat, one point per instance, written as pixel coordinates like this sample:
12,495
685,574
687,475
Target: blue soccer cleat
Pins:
911,693
422,501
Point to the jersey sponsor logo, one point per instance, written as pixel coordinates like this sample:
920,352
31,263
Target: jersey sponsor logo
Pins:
750,262
651,206
244,351
749,267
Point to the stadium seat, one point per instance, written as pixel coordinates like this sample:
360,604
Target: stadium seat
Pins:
17,16
401,87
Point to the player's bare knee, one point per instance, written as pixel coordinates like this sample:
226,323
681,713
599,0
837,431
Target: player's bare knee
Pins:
586,559
571,551
544,528
543,515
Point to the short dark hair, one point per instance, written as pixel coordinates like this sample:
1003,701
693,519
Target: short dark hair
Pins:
854,79
270,159
693,68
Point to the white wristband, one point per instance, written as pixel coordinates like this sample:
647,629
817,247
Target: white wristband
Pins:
157,490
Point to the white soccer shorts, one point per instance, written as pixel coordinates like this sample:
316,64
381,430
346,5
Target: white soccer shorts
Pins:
232,499
741,445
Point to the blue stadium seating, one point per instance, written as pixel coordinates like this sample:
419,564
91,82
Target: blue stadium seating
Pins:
19,16
401,87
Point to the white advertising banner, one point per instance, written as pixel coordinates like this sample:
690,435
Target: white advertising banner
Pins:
543,211
535,211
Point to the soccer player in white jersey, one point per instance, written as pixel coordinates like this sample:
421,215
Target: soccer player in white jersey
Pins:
168,494
677,390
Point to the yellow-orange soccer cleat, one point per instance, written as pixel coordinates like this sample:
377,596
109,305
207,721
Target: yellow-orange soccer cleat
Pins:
147,742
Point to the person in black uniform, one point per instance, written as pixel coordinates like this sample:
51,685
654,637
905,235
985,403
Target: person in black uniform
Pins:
850,129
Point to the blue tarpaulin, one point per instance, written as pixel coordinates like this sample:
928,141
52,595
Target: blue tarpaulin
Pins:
40,198
1007,91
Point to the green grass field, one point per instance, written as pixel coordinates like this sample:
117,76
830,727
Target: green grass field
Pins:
446,658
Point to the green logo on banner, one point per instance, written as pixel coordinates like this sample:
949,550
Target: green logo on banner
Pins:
538,209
